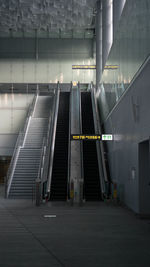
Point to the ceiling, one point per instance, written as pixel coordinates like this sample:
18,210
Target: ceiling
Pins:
47,18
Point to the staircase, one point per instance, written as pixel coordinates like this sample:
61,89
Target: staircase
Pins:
25,173
36,132
29,156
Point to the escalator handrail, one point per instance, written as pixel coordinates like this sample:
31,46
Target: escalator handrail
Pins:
42,157
81,142
69,145
99,154
53,137
46,153
99,132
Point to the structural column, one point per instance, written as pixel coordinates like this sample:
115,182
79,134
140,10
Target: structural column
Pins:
107,29
98,43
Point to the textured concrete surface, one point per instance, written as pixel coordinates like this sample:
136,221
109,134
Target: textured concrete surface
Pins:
94,235
130,124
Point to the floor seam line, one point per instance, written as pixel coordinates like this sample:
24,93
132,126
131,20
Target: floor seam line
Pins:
36,238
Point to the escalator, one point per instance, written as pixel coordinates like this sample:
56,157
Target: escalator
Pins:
60,162
92,190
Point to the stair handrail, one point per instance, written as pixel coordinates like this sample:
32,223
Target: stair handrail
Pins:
29,113
52,139
18,145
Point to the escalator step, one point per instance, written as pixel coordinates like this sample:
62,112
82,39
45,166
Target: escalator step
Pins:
60,163
90,161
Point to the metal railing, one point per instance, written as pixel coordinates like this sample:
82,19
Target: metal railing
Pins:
52,140
19,144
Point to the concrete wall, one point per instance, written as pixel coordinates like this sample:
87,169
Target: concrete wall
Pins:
7,144
129,122
22,60
13,110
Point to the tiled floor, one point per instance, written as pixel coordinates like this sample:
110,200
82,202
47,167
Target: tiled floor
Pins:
94,235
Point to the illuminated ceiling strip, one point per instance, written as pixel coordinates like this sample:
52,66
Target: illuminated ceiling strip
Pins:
83,67
111,67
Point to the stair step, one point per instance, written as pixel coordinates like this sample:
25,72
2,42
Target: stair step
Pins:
91,171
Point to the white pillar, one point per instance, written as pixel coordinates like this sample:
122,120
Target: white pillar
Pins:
98,43
107,29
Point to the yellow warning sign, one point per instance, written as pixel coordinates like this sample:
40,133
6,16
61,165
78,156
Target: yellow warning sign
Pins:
93,67
86,137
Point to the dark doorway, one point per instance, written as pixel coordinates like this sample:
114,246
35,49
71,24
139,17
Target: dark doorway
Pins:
4,165
144,178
